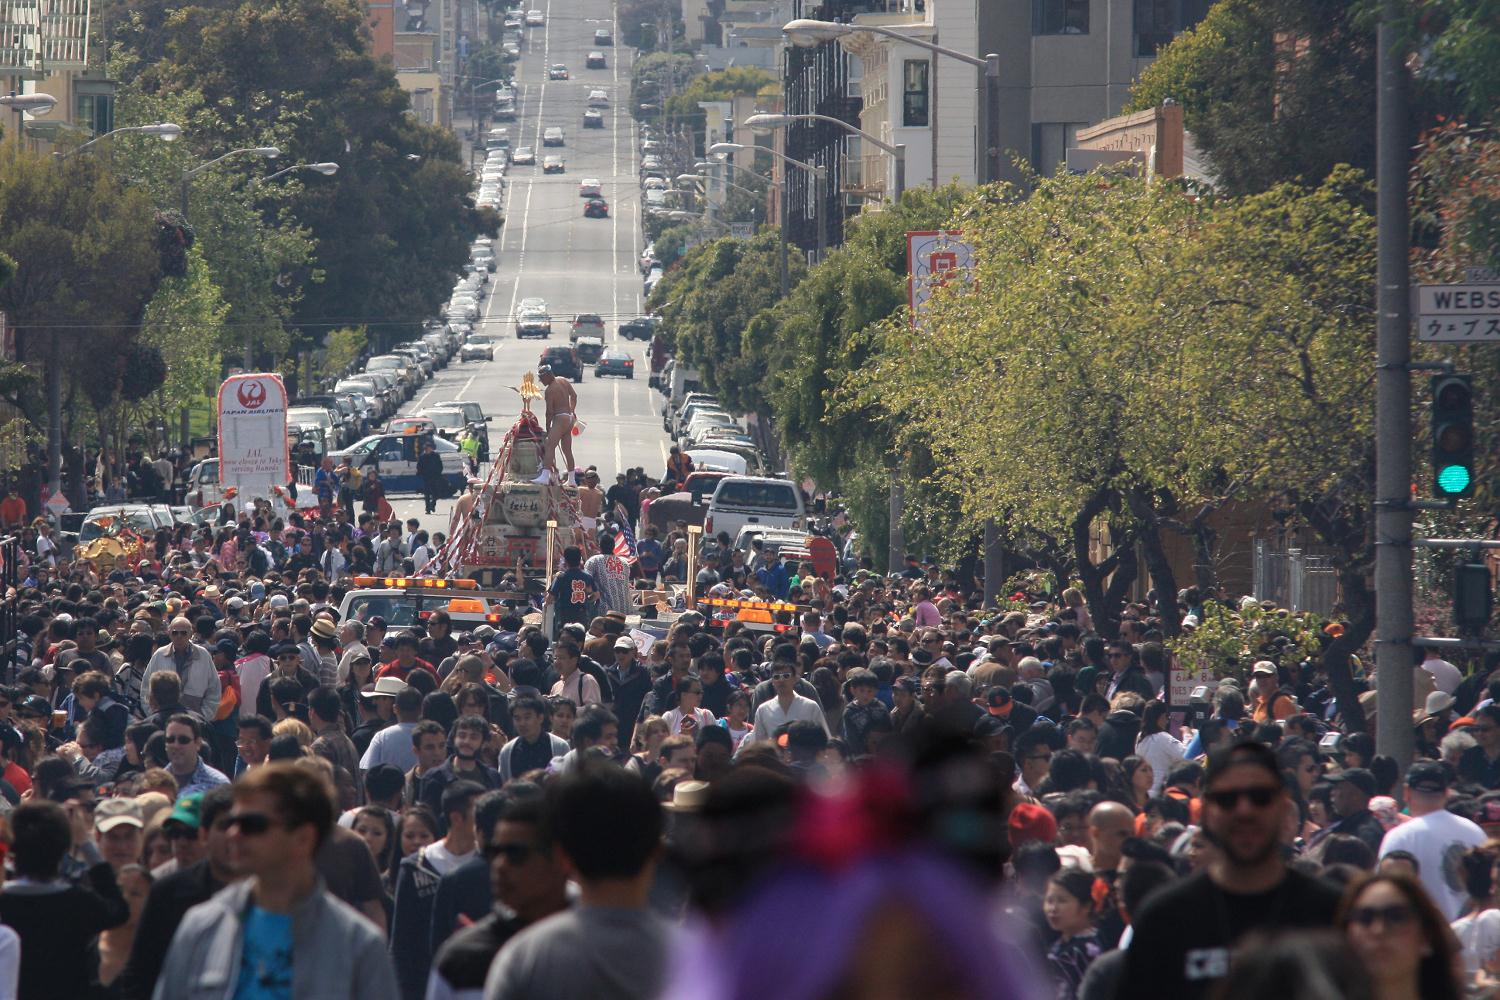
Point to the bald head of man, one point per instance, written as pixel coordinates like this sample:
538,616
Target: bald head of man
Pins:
1110,824
181,632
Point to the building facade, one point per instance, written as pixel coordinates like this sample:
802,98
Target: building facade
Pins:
1065,65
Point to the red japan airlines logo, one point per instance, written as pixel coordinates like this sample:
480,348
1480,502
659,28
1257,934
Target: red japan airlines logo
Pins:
252,395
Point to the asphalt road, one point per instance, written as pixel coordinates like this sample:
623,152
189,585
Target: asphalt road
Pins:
549,250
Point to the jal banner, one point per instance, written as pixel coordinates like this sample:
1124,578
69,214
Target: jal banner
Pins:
934,259
253,453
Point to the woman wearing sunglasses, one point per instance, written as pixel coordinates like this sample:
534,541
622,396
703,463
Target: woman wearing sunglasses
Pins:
1400,938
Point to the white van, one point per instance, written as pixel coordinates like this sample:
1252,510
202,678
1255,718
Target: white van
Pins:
742,500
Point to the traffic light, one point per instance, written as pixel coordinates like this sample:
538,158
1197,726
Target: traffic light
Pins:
1473,599
1452,436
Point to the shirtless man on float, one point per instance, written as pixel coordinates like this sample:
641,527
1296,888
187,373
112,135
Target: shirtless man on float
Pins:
562,407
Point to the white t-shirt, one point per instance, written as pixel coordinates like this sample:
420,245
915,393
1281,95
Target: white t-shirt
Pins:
1438,841
443,860
1479,936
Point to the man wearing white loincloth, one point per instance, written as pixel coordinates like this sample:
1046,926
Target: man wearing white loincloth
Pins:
562,405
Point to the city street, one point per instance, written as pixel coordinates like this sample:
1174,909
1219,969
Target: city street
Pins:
547,249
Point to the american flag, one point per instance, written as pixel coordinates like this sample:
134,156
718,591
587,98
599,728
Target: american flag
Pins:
625,540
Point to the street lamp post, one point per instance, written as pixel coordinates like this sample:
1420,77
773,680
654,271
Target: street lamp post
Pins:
897,152
806,33
166,131
23,105
186,184
474,103
326,169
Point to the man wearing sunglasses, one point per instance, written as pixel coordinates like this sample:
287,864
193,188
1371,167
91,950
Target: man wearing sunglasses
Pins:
279,932
1184,934
193,664
528,885
184,756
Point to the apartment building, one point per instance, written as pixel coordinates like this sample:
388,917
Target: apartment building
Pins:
1064,65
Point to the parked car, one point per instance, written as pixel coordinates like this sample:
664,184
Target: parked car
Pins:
563,361
479,347
475,416
615,362
596,208
449,422
742,500
318,417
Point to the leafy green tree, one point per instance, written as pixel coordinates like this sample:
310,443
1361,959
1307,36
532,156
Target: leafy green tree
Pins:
1124,353
342,349
390,230
707,303
247,235
1460,45
1271,90
184,322
640,22
86,265
719,85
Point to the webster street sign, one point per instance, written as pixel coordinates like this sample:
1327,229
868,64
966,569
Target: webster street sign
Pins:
1458,314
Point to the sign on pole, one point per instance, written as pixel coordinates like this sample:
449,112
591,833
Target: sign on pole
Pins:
932,260
1458,314
253,452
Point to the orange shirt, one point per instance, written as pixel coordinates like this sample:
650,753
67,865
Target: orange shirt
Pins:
12,511
1283,706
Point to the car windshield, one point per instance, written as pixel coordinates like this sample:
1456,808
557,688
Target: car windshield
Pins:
92,527
777,496
310,415
446,418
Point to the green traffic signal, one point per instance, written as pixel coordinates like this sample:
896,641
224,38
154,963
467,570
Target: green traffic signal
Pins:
1452,480
1452,417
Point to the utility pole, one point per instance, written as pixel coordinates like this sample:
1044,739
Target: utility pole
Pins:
1393,512
993,554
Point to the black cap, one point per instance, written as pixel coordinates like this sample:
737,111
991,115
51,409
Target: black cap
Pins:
1429,776
1359,777
35,705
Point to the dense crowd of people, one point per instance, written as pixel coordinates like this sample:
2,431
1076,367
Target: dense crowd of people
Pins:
214,785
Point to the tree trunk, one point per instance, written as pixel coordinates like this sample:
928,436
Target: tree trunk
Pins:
54,414
1163,580
1104,603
